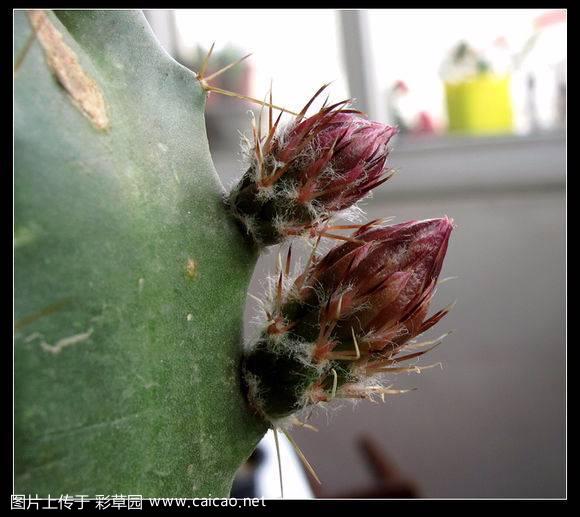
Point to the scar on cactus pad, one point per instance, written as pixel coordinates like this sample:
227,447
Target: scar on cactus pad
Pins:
353,315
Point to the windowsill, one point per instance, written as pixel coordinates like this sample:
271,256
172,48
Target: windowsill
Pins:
438,165
434,164
448,142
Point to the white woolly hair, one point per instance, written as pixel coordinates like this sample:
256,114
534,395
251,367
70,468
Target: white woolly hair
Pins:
307,410
255,390
353,214
363,381
289,189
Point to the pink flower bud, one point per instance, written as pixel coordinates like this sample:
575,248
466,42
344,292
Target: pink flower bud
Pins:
348,317
348,159
301,175
380,287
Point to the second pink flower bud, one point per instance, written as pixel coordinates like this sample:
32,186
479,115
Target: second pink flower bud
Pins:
350,316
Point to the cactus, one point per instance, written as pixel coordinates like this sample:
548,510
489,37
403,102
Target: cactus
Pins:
132,266
130,275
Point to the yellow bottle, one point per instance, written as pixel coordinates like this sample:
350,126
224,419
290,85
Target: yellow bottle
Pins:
480,105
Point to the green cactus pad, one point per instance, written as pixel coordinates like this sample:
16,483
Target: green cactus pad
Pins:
130,276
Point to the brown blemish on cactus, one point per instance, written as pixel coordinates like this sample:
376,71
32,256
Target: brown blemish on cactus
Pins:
24,52
191,268
46,311
82,89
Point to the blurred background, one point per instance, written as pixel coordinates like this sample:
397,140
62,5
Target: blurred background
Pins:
479,97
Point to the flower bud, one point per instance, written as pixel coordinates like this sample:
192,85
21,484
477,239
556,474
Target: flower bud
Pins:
348,317
384,285
301,175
